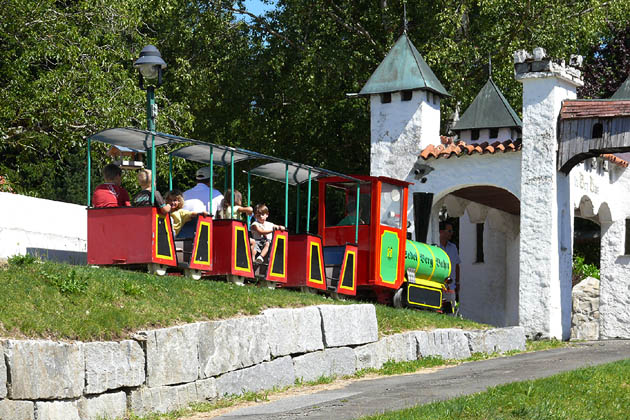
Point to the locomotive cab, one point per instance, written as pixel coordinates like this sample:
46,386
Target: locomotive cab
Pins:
375,224
390,267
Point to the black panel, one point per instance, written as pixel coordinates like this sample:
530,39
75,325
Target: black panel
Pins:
163,247
421,214
202,245
348,274
421,296
278,261
241,251
316,270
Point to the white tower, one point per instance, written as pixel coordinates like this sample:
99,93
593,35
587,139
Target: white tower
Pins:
405,110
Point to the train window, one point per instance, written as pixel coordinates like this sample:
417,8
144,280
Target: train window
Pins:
391,205
341,205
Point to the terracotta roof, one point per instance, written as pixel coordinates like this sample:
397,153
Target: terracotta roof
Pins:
616,160
586,108
449,148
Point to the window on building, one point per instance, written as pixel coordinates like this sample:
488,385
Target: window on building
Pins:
479,257
406,95
494,133
627,247
474,135
386,98
598,131
436,99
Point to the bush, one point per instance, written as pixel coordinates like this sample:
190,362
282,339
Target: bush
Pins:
581,270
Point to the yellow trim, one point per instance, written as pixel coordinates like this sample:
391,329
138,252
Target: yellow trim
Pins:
424,304
319,260
380,266
417,254
168,239
341,286
249,267
433,255
273,258
209,239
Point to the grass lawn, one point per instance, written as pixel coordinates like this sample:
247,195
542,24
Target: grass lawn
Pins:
601,392
59,301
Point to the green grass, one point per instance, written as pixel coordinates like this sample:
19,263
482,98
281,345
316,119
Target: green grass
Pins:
601,392
59,301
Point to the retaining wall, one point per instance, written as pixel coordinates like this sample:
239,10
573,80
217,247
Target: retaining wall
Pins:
166,369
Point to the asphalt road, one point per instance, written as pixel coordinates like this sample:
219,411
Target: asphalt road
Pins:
374,396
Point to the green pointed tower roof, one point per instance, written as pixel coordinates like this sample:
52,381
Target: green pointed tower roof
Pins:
623,92
490,109
403,69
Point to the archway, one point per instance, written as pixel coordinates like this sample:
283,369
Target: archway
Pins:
489,219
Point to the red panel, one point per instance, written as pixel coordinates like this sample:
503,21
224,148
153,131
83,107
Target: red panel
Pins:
171,258
278,236
120,235
224,247
315,246
199,265
299,261
350,250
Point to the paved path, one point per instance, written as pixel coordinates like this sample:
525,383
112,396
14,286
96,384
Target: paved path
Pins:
366,397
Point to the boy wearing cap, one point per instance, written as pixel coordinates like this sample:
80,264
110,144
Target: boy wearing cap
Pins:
196,199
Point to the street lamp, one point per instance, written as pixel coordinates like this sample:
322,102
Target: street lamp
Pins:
150,66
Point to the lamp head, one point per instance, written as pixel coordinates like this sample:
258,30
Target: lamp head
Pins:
150,63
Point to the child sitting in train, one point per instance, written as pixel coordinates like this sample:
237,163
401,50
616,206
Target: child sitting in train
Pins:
179,216
225,209
143,198
262,232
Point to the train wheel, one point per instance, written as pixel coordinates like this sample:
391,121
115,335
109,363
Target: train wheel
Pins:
309,290
268,284
157,269
397,299
237,280
192,273
337,296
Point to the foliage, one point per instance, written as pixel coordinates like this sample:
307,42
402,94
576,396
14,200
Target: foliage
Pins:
590,393
607,62
581,270
275,83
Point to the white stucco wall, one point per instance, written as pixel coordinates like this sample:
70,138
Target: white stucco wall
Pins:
484,135
544,310
400,130
27,222
487,288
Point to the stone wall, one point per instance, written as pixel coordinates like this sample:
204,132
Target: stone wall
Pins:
585,318
166,369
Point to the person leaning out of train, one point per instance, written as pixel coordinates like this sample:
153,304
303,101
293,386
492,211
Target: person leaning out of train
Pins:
262,232
143,198
179,216
225,209
111,193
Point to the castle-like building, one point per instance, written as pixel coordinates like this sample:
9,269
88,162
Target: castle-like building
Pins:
515,185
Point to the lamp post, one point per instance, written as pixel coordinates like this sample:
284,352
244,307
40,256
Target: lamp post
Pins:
150,66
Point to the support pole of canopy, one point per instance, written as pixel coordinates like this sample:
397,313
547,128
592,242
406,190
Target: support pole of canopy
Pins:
210,209
356,226
153,173
286,195
308,204
89,173
297,213
232,180
170,172
249,193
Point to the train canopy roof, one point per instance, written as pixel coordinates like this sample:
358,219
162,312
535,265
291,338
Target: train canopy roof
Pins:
297,173
133,138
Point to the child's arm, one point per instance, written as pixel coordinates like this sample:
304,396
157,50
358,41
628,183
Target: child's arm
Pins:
258,228
279,227
247,210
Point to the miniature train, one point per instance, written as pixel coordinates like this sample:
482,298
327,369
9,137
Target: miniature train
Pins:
361,245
